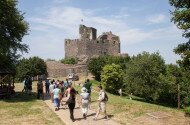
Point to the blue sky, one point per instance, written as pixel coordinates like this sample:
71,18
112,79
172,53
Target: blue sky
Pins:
143,25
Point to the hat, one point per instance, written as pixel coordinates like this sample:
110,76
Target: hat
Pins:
83,89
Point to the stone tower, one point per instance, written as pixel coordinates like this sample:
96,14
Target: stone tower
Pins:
87,32
88,45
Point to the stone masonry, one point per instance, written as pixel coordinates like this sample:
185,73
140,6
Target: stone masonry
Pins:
58,69
88,45
84,48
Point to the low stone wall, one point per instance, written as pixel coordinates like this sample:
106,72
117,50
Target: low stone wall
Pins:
57,69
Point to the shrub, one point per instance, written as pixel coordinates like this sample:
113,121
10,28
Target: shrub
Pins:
187,111
112,78
68,61
96,65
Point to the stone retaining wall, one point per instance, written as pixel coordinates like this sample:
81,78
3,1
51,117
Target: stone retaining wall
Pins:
57,69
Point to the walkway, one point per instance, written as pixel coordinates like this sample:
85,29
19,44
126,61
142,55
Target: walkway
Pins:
63,114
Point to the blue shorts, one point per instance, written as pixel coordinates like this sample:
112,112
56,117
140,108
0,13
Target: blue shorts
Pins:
56,102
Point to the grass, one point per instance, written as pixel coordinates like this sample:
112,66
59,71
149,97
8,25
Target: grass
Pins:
120,109
26,109
133,112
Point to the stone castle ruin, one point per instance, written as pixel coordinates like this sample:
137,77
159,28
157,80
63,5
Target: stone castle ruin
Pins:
84,48
88,45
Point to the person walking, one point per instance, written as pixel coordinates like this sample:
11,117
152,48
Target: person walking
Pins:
56,95
61,87
40,90
47,84
51,88
66,83
88,86
84,101
24,85
29,82
71,93
102,99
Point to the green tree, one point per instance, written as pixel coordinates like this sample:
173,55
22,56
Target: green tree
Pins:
181,17
169,82
185,88
12,29
38,66
112,78
23,69
142,75
96,65
68,61
31,67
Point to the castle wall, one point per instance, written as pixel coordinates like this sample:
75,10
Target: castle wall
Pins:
57,69
71,47
82,47
88,45
114,47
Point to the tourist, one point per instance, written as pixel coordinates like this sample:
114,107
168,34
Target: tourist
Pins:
120,92
25,85
102,103
51,88
71,92
84,101
47,84
88,85
56,95
29,82
40,90
66,86
61,87
66,83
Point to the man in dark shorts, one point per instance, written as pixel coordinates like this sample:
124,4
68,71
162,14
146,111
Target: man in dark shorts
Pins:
40,89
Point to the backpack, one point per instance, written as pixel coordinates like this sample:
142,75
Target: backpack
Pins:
105,97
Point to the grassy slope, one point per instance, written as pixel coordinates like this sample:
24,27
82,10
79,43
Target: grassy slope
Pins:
26,110
134,112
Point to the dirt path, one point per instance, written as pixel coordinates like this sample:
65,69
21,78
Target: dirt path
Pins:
63,114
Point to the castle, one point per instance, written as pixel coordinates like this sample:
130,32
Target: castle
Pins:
88,45
84,48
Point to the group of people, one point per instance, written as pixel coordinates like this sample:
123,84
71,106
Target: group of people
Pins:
60,89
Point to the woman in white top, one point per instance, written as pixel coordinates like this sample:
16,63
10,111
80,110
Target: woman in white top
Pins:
84,101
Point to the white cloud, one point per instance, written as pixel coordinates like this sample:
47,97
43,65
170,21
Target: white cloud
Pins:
58,23
69,18
158,18
61,1
132,36
135,35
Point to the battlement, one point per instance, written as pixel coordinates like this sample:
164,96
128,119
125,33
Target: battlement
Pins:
89,45
69,41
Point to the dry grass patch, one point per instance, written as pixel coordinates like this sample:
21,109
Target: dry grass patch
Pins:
24,109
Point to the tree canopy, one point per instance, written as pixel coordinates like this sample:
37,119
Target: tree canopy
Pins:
12,29
112,78
31,67
142,75
96,64
181,17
